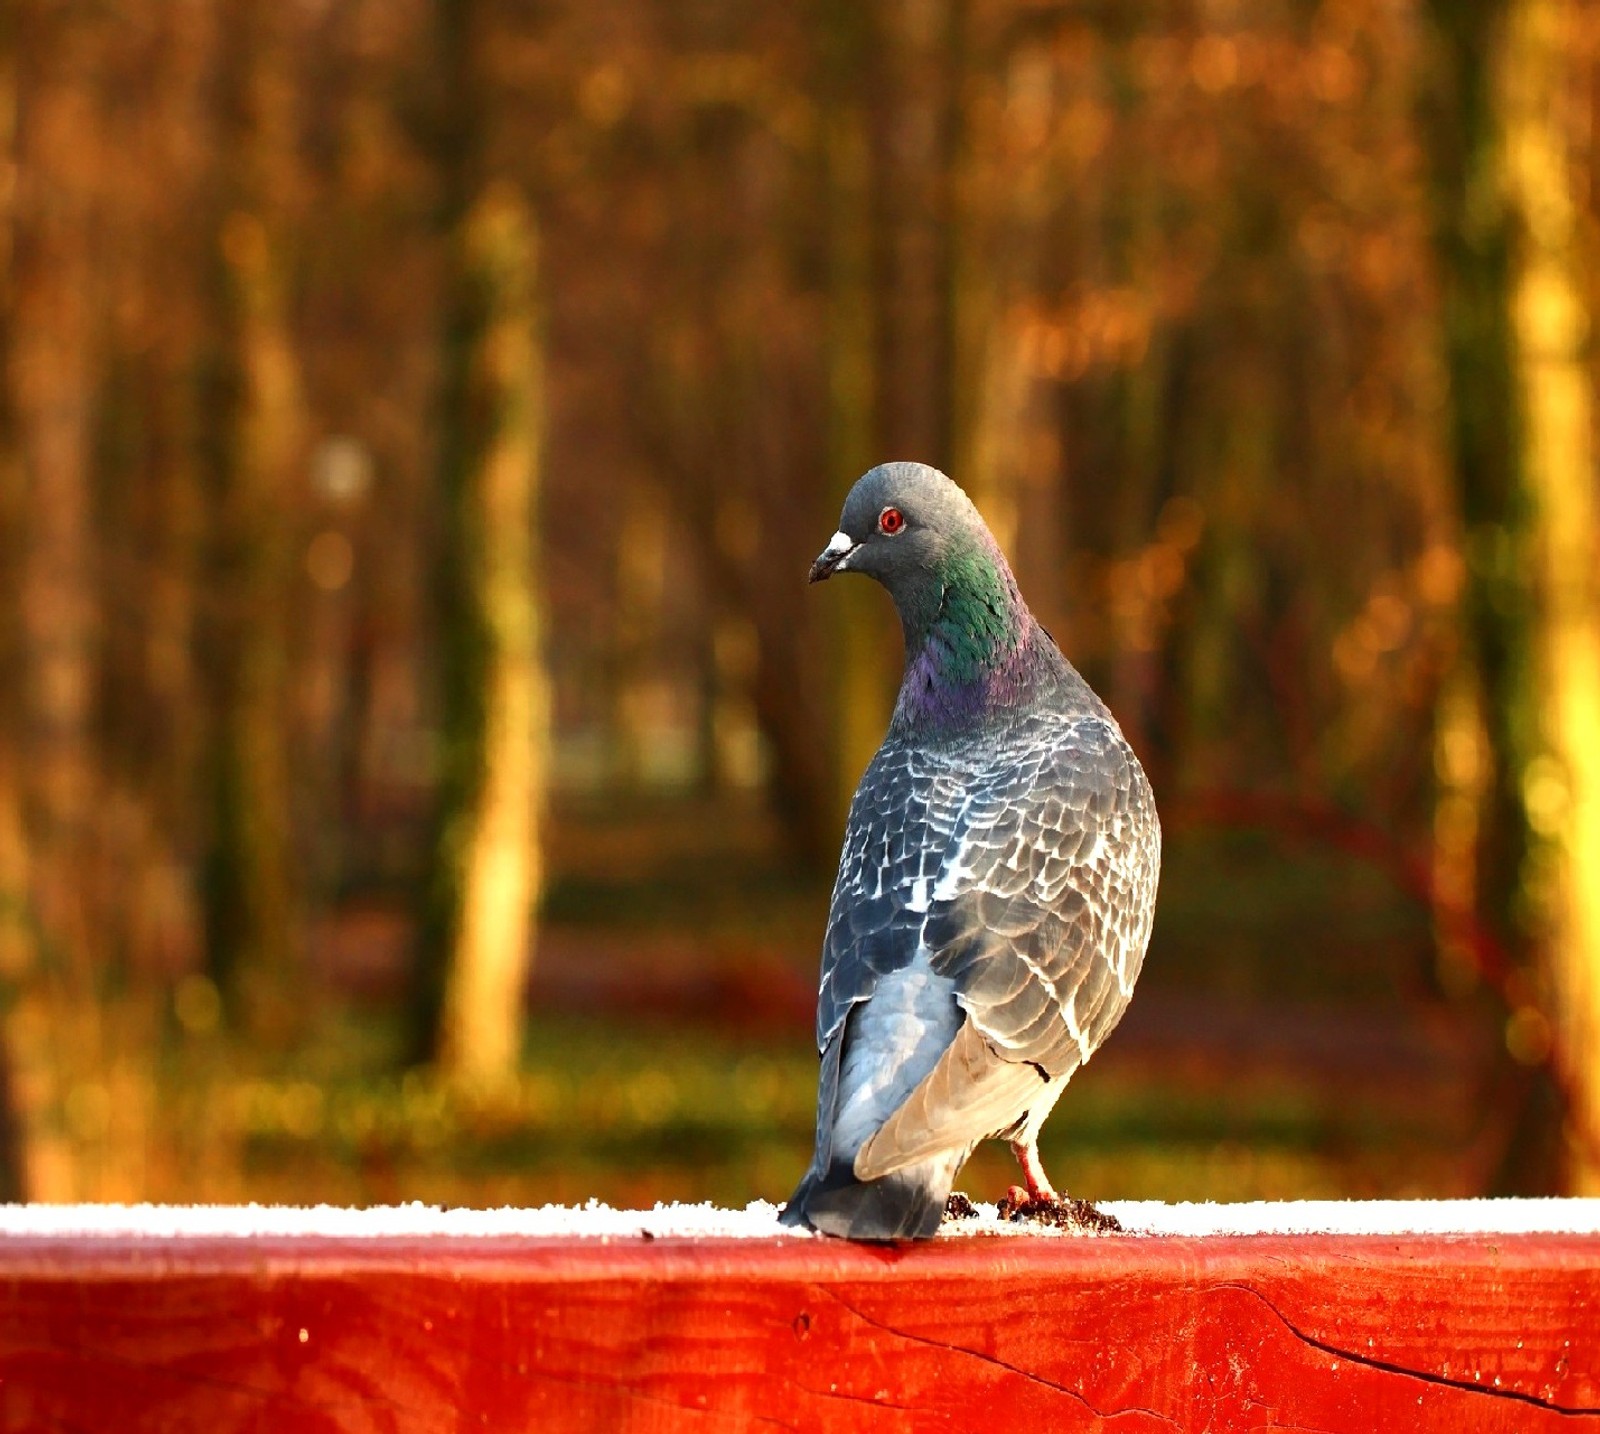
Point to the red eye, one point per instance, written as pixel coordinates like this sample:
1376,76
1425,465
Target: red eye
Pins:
891,521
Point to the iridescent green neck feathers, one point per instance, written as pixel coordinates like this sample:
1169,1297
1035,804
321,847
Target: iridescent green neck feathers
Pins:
967,642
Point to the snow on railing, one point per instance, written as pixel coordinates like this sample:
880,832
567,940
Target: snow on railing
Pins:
1453,1315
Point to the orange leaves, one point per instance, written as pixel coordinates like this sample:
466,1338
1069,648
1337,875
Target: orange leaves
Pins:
1089,328
1141,590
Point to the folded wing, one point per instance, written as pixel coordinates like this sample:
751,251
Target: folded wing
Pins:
1038,916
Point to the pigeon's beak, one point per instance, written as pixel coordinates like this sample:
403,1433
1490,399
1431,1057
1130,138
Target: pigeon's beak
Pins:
833,557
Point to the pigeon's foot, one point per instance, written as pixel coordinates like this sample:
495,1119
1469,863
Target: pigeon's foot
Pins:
959,1207
1061,1211
1039,1186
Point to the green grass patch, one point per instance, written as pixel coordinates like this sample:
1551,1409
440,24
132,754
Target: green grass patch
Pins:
637,1112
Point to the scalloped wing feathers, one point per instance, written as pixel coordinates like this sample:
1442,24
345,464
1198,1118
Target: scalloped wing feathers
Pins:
1027,880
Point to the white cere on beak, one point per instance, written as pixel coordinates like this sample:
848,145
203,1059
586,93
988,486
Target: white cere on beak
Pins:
838,545
834,558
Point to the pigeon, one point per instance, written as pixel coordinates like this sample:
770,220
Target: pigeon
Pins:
995,890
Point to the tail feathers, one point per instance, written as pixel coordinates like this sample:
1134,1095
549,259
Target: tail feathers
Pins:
906,1205
972,1088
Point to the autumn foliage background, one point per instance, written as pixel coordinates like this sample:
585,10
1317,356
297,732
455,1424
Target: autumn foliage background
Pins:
421,760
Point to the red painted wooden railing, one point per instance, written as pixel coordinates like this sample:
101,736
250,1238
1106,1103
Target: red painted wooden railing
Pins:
1486,1320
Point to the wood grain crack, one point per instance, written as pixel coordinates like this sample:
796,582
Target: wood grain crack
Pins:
1107,1416
1441,1381
850,1398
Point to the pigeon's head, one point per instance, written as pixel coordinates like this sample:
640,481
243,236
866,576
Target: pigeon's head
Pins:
901,523
967,630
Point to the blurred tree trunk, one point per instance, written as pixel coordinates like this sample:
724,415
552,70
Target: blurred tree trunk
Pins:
913,102
890,132
1472,235
51,366
152,497
1496,352
642,540
891,103
862,691
17,954
252,887
1551,334
495,712
478,923
51,362
811,779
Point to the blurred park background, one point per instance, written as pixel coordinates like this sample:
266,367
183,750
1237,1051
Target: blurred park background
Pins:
421,760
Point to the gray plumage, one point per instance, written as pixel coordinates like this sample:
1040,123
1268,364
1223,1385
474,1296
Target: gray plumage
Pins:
995,890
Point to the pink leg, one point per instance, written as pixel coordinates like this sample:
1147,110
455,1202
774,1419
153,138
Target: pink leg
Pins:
1039,1186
